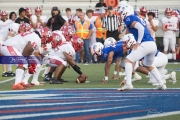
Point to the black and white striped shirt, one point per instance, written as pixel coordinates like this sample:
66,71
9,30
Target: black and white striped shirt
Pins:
111,23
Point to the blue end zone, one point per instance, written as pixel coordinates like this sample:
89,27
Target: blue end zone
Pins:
67,104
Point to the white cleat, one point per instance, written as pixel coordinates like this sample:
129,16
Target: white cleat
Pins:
35,82
173,77
122,74
136,77
126,87
165,71
161,87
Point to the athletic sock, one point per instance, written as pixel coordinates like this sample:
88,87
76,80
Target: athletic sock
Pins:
19,76
128,71
157,75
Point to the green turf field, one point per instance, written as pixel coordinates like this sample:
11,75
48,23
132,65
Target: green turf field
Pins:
95,73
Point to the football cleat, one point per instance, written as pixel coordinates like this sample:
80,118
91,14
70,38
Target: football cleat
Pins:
18,87
136,77
126,87
62,80
161,87
55,81
47,77
173,77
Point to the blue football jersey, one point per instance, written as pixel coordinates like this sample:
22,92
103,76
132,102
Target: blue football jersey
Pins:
117,49
130,19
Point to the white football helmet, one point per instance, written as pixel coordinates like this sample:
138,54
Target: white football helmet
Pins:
129,40
109,41
125,11
121,3
96,49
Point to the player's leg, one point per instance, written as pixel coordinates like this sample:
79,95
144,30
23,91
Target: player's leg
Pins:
173,45
166,44
116,68
10,72
4,74
36,74
11,51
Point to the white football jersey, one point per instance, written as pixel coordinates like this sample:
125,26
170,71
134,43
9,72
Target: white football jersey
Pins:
64,47
4,24
60,33
170,22
21,40
38,24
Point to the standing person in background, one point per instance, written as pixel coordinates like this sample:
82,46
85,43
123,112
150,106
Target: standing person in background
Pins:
22,19
169,26
56,21
68,14
4,21
101,4
78,12
38,20
84,30
153,23
100,31
12,16
113,27
92,39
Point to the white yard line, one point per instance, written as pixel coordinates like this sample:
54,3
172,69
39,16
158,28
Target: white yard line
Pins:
153,115
60,113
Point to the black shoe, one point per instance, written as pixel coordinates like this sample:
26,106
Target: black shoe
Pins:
5,74
47,77
55,81
11,74
62,80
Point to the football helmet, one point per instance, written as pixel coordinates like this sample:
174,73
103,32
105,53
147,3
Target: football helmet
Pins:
71,20
56,40
77,43
38,11
170,11
46,35
24,27
109,41
96,49
129,40
143,11
4,15
29,12
125,11
68,32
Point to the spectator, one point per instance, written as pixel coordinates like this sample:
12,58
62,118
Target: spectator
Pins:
12,16
22,19
56,21
169,26
92,39
101,4
100,32
68,14
4,21
153,23
84,30
78,12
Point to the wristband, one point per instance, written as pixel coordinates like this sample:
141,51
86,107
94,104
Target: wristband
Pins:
120,73
106,78
77,69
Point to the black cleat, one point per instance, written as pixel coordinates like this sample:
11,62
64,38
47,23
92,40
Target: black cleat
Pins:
62,80
11,74
55,81
47,77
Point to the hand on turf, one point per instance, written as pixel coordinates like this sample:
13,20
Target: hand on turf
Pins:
114,77
136,46
123,82
104,81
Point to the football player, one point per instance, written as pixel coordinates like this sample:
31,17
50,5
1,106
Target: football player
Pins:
145,47
23,45
63,56
169,26
4,21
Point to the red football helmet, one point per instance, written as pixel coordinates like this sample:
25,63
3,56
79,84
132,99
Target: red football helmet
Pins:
77,43
46,35
143,11
56,40
71,20
24,27
4,15
29,12
38,11
68,32
168,12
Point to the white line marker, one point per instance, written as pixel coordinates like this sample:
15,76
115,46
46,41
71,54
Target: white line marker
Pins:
60,113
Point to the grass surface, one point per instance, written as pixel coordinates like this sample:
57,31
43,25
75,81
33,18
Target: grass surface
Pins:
95,74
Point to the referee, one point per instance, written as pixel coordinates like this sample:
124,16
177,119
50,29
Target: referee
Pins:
112,24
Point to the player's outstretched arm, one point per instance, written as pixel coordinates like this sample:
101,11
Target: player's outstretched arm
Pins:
108,63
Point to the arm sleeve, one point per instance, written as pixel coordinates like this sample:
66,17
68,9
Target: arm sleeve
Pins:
140,29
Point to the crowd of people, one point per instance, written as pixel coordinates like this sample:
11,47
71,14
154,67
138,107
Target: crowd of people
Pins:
63,41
